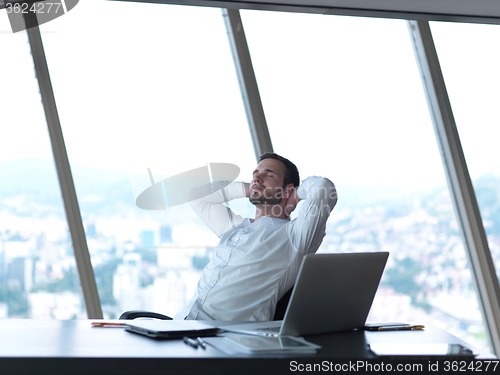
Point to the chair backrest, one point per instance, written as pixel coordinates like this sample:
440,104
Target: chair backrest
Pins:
279,314
281,306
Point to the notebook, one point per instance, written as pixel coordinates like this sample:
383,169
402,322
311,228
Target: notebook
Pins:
333,293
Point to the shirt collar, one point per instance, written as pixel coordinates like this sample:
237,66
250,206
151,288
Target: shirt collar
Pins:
265,220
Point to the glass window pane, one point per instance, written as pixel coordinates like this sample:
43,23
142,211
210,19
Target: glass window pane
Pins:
37,266
343,99
469,61
146,93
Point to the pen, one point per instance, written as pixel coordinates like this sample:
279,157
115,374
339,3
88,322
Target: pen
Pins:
191,342
401,328
107,324
202,343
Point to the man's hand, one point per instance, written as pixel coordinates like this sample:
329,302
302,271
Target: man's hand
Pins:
246,186
292,201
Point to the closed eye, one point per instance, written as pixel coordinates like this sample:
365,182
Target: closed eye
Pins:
269,172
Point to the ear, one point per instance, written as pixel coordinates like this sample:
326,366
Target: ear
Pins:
288,190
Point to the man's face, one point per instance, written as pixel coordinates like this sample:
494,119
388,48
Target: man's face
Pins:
266,187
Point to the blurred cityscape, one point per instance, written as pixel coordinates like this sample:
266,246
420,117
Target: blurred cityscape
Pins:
144,260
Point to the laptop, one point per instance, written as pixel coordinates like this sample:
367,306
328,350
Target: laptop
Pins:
333,293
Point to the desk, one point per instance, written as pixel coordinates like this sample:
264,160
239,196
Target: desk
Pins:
74,347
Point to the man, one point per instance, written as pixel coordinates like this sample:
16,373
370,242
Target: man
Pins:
257,260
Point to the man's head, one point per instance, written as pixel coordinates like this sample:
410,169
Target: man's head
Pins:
291,171
272,180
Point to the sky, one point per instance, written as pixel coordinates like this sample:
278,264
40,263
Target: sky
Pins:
143,86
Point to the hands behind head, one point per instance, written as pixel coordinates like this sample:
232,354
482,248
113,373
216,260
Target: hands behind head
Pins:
292,201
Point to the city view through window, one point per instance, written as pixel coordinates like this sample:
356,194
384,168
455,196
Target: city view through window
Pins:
342,98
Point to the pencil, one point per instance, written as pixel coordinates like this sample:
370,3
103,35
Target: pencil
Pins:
107,324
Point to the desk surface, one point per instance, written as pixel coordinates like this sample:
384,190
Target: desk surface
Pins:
74,347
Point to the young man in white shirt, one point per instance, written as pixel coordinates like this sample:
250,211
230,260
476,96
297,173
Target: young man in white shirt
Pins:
257,260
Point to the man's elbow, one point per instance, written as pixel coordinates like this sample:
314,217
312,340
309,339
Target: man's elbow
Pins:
328,193
332,196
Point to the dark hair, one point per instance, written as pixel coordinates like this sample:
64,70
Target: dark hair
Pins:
291,171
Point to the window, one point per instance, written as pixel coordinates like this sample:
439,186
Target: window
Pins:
343,99
38,276
469,63
144,92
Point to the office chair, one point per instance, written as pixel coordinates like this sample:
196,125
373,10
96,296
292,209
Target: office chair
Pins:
279,314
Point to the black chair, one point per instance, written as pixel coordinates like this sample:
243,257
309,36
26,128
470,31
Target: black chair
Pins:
133,314
279,314
282,304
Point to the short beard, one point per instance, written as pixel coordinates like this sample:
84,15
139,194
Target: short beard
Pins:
262,200
265,200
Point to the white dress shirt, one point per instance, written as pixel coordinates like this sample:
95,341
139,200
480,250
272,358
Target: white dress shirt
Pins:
255,262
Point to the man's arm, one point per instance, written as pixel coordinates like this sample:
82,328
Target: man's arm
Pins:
208,203
309,228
